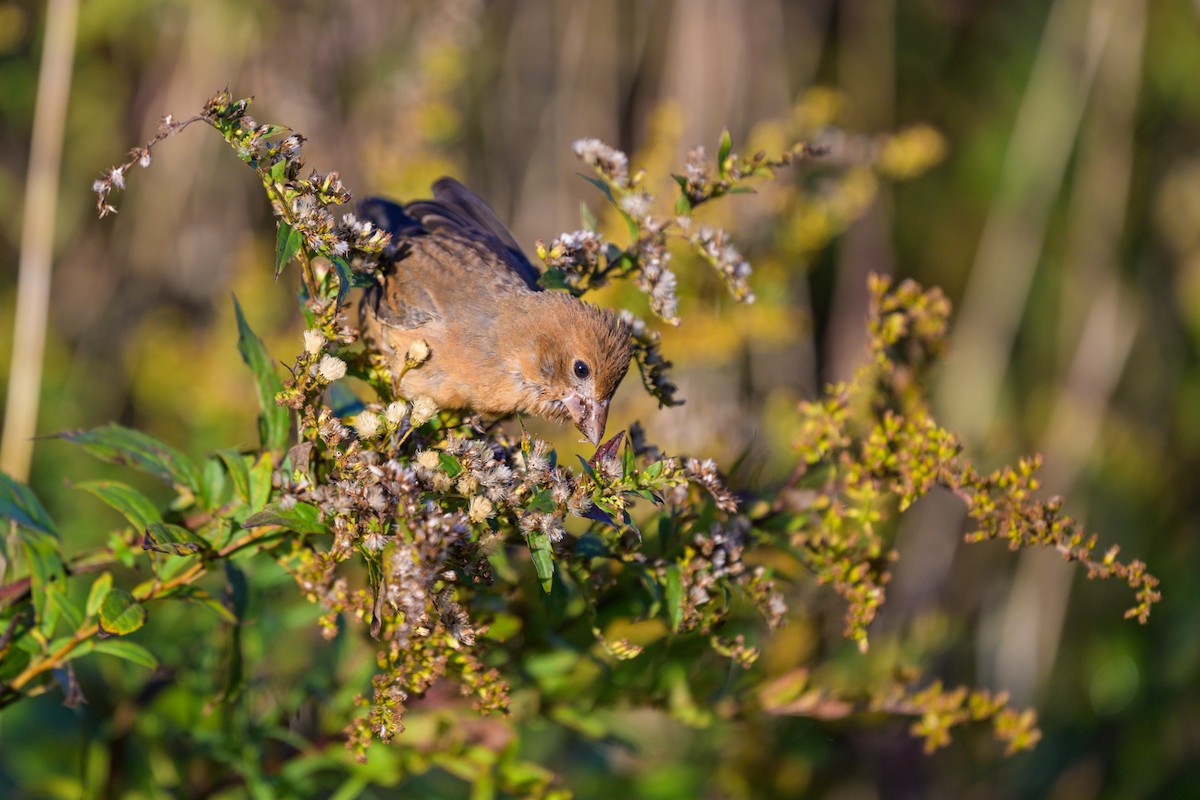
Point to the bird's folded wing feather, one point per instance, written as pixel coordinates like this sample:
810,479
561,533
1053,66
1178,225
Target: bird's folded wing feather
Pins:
451,248
457,209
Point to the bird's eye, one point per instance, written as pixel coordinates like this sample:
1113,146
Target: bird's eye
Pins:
582,370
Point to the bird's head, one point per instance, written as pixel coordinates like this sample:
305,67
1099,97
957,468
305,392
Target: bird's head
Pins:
582,355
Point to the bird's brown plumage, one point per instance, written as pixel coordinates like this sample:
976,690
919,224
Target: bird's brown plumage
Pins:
499,345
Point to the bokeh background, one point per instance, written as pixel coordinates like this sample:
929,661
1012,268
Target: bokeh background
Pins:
1063,221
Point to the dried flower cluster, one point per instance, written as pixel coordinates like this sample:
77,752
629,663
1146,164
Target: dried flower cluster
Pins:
647,257
712,563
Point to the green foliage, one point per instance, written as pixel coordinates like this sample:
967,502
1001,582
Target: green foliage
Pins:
478,559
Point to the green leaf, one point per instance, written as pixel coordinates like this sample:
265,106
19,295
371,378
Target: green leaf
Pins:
544,564
554,278
15,660
345,279
96,595
20,504
239,471
130,651
163,537
541,500
683,205
589,469
301,518
287,244
133,505
634,231
543,558
649,495
273,420
212,484
674,590
119,445
120,613
66,608
449,464
723,152
260,481
628,462
217,532
46,573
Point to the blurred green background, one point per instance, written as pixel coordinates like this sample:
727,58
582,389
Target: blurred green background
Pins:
1064,223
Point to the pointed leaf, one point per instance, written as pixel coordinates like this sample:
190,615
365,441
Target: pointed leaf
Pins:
287,244
301,518
239,471
723,152
541,500
133,505
119,445
674,591
163,537
120,613
20,504
598,514
130,651
589,469
46,573
96,595
631,223
273,420
260,481
449,464
645,494
554,278
543,560
628,462
212,485
66,608
345,279
15,660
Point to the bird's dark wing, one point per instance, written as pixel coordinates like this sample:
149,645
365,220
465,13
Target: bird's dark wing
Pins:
457,209
438,247
391,217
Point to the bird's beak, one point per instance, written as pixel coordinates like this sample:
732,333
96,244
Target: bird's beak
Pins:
590,416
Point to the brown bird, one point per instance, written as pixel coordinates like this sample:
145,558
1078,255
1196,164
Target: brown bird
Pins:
499,345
